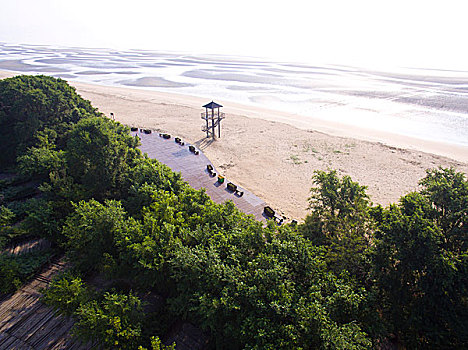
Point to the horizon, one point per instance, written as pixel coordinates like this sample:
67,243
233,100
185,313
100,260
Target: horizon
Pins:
421,34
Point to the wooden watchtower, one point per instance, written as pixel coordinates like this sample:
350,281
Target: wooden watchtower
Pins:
213,118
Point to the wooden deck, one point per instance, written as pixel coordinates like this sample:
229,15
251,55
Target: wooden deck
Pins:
26,323
28,246
193,170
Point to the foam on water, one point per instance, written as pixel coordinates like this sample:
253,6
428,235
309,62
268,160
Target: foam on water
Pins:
426,104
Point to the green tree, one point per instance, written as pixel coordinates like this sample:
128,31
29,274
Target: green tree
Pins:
41,161
16,269
29,104
115,321
9,274
66,294
143,180
420,265
278,298
90,233
340,221
156,344
447,191
7,218
99,152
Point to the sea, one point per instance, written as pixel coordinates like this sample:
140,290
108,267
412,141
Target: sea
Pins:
428,104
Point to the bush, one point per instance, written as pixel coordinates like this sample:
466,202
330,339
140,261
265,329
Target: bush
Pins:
16,269
66,294
115,321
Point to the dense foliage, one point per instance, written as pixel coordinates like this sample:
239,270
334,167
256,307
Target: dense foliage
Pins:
31,104
349,277
340,221
421,262
14,270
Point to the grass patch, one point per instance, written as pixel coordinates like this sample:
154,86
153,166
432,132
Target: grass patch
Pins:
307,147
295,159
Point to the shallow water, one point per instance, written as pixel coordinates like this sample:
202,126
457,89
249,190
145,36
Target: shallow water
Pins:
426,104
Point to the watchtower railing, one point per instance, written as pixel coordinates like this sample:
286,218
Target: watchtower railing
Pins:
214,116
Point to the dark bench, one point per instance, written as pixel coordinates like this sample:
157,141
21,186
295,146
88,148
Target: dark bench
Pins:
233,188
193,150
210,169
269,213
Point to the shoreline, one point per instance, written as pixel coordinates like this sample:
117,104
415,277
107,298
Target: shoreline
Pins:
261,151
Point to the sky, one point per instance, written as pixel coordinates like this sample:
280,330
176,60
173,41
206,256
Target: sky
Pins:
396,33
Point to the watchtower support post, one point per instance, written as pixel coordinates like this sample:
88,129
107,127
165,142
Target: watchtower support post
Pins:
215,118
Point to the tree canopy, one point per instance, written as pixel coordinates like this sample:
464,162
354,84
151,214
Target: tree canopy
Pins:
29,104
421,263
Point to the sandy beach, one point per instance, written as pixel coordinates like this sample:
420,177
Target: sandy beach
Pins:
274,154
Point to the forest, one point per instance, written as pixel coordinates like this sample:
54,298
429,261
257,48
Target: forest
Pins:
353,275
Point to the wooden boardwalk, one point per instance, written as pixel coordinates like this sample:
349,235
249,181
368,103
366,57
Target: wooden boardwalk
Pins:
26,323
28,246
193,170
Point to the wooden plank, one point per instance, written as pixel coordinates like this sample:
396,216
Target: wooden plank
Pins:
39,325
55,334
28,246
63,343
36,320
22,318
75,344
3,339
8,342
44,331
16,312
18,344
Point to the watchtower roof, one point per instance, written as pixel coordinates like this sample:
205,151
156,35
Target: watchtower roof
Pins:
212,105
